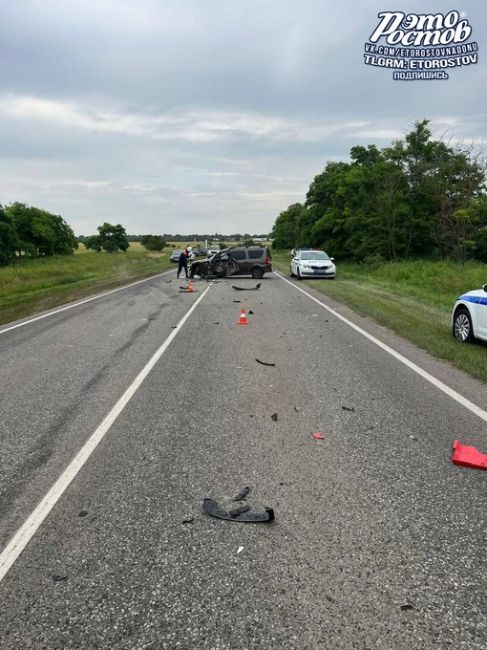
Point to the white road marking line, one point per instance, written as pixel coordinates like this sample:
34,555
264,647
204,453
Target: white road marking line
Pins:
417,369
82,302
28,529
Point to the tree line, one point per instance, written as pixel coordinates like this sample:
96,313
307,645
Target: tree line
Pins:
420,197
32,232
27,231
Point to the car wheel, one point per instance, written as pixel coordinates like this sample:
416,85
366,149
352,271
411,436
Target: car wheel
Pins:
462,326
298,274
257,273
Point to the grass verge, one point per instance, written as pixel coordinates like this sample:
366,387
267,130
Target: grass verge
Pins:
414,299
31,286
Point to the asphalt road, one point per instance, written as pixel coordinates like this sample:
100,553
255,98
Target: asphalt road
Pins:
378,542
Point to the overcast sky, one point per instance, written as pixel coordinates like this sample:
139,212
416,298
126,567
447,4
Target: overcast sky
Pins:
204,115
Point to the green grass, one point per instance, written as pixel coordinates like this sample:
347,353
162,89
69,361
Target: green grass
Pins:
414,299
30,286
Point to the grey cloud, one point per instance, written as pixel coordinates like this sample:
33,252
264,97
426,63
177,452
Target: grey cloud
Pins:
202,115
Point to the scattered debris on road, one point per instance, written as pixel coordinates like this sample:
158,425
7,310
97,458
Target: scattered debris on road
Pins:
468,456
239,510
407,607
211,507
59,578
265,363
236,300
243,494
82,513
188,520
318,436
274,417
349,408
240,549
257,286
251,312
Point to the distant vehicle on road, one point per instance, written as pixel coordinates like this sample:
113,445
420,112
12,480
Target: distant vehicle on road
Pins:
175,256
469,316
310,263
212,250
241,260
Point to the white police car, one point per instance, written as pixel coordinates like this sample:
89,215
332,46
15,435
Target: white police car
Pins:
469,316
310,263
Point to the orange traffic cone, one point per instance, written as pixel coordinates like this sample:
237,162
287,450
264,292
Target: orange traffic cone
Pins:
190,287
243,318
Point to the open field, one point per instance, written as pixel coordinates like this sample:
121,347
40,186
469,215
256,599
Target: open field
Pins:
414,299
34,285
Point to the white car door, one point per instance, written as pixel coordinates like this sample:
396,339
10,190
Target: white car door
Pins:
482,316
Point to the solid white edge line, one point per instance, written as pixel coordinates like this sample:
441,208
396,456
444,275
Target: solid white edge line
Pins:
25,533
82,302
410,364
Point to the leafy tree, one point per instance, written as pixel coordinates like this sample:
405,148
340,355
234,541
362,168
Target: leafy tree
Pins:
285,230
153,242
8,238
40,233
110,239
413,198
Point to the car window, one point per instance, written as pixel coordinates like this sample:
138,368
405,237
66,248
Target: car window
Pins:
314,255
256,254
237,255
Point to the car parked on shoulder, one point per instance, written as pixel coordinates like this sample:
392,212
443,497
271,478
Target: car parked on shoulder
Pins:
175,255
469,316
241,260
311,263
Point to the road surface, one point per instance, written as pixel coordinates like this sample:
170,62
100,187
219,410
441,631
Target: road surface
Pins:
378,542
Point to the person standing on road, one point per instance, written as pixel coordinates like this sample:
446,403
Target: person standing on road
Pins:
183,262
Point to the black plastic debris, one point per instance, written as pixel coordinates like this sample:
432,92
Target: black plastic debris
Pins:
257,286
235,300
211,507
265,363
59,578
250,312
217,323
188,520
407,607
242,495
239,510
82,513
168,281
349,408
274,417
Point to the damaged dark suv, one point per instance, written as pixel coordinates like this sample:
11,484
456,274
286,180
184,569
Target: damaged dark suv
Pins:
241,260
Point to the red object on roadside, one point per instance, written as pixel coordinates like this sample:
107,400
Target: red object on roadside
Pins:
468,456
317,436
